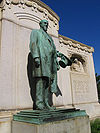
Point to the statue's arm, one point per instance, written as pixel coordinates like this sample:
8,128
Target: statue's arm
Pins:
34,48
34,45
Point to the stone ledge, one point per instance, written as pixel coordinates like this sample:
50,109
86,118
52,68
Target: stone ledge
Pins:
34,3
75,44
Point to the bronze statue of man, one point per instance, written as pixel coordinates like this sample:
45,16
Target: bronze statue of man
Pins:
42,68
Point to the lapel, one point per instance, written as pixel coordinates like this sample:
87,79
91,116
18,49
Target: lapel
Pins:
46,36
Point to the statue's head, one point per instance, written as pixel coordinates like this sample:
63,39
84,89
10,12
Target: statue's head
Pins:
44,24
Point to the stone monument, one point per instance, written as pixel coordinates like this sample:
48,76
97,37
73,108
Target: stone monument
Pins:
42,73
78,87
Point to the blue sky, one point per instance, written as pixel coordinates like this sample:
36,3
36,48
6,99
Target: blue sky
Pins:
80,20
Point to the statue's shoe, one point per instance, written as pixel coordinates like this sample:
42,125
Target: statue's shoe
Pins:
40,107
47,106
50,108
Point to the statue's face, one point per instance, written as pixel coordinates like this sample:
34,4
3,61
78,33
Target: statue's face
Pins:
44,25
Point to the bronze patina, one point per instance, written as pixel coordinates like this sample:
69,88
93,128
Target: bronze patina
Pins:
42,67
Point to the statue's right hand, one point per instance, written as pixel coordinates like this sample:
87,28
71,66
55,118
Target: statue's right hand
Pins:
37,62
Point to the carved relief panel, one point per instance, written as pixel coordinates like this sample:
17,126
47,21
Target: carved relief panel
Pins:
80,81
78,64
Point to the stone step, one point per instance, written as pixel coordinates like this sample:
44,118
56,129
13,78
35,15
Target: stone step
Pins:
45,116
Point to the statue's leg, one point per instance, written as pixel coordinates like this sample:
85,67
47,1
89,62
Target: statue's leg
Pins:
47,97
33,92
39,94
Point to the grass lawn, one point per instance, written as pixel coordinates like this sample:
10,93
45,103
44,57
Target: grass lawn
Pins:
95,126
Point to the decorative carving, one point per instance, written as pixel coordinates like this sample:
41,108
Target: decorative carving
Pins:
24,15
28,3
9,3
15,2
50,17
40,9
35,6
80,64
45,14
77,66
2,4
80,46
22,3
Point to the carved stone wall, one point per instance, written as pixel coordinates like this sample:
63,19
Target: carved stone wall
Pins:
83,91
28,13
17,19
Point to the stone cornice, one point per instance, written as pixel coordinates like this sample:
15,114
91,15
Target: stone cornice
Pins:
42,7
75,44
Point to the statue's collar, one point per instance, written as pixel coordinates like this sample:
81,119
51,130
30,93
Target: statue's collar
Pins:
43,31
45,34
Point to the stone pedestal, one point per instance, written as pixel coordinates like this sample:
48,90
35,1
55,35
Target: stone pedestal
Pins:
59,121
73,125
5,122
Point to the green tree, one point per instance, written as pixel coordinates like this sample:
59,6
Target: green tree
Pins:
98,85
